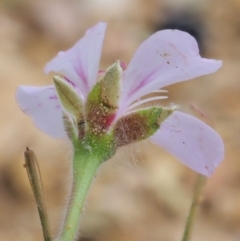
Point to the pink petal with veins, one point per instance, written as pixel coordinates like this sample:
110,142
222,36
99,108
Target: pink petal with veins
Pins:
80,63
42,104
167,57
192,141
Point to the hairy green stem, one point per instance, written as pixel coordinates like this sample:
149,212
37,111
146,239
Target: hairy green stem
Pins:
192,212
85,168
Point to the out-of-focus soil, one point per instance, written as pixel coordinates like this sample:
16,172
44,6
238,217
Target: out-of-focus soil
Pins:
143,193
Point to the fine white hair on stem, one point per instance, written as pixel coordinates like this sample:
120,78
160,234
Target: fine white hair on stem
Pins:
67,148
128,157
66,200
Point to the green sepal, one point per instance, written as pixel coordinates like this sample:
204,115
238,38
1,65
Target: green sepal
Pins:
70,127
102,102
69,99
140,124
110,86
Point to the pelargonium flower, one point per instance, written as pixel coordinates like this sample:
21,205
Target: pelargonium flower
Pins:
92,111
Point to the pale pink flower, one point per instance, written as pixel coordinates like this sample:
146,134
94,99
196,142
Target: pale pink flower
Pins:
167,57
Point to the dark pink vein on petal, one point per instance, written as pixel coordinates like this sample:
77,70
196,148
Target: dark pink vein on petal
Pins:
54,97
142,83
80,72
69,81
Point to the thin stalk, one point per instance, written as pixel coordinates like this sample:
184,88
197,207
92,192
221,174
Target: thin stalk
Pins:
35,180
82,179
192,212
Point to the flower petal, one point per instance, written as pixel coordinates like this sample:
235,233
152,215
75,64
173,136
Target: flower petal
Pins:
167,57
80,63
42,104
192,141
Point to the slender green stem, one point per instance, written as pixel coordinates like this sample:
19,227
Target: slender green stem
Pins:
192,212
84,171
34,177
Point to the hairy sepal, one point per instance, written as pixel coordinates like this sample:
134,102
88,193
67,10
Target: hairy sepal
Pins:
139,125
70,127
102,102
69,98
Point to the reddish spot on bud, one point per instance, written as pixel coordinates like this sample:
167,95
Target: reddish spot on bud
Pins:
100,118
109,120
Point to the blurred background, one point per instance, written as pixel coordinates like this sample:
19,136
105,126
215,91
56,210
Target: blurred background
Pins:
143,193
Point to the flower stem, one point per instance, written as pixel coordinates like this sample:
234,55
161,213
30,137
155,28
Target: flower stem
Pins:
34,177
85,168
193,208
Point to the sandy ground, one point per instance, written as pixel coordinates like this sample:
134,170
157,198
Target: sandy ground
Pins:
143,193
